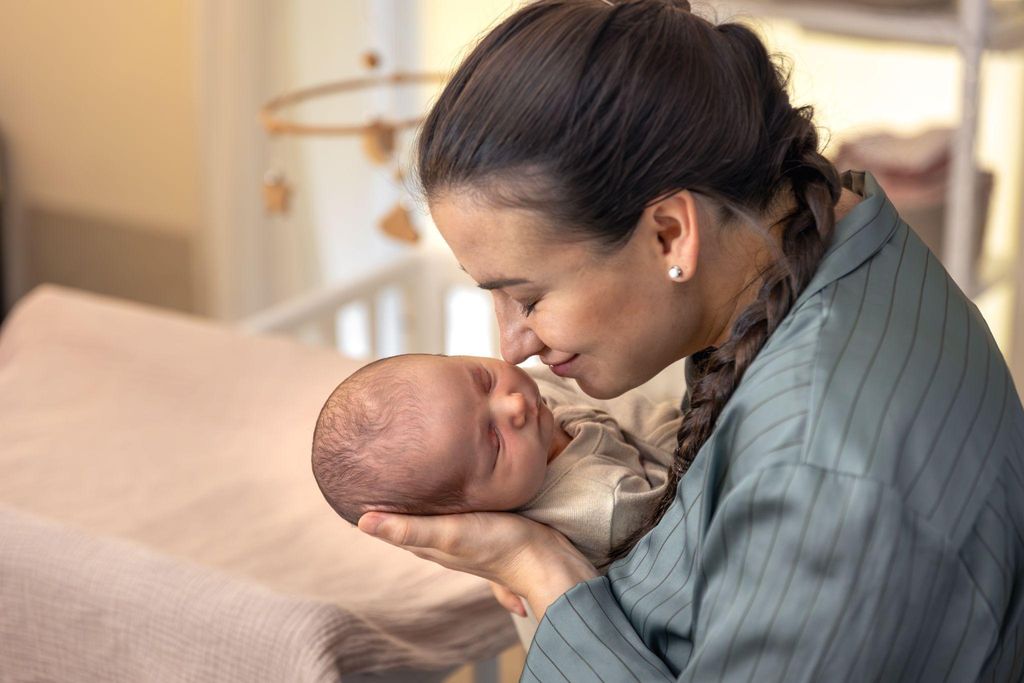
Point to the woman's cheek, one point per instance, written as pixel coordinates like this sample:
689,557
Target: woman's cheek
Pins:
557,331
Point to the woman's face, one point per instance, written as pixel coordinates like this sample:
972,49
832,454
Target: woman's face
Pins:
609,320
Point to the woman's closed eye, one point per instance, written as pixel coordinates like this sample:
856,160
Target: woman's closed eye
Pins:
527,309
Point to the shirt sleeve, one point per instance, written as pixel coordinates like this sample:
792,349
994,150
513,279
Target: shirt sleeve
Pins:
804,574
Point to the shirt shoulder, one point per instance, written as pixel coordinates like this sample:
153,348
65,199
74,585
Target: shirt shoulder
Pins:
887,373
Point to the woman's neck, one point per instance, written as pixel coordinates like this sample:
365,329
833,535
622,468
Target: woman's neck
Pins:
750,284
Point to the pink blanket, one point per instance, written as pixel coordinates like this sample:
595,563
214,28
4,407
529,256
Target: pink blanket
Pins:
186,538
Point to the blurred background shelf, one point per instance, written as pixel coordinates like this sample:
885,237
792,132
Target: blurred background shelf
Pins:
926,26
971,28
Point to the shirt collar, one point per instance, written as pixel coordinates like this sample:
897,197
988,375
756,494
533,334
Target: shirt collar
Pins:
857,236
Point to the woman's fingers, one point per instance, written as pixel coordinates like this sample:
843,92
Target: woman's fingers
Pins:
488,544
525,557
454,534
507,599
411,531
385,527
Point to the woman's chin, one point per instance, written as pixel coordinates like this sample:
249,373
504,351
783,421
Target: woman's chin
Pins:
598,389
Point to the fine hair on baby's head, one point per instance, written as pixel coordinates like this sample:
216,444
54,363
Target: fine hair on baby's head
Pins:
370,443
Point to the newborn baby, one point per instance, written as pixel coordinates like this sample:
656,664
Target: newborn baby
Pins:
424,434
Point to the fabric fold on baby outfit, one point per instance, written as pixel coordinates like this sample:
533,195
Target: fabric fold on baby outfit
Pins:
610,477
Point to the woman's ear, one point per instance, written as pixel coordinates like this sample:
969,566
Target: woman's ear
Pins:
675,222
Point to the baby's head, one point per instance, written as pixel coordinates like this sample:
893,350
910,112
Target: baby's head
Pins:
425,434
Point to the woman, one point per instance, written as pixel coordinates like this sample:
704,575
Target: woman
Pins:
633,186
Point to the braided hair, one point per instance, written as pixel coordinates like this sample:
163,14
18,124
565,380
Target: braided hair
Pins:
587,111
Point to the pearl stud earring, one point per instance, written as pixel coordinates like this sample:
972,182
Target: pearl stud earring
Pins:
675,272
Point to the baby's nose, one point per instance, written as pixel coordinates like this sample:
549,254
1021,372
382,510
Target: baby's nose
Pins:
516,409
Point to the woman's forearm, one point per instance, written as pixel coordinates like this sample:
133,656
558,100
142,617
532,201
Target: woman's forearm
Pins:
555,573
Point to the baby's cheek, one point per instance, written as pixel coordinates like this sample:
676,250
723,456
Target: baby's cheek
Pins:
538,468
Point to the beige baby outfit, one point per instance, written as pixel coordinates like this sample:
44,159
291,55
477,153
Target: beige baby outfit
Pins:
609,478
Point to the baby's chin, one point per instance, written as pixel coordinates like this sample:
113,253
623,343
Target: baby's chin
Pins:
546,428
552,435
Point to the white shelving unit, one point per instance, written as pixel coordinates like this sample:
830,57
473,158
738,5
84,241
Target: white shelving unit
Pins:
972,27
996,25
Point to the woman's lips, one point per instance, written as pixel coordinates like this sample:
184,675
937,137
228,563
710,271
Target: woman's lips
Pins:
564,369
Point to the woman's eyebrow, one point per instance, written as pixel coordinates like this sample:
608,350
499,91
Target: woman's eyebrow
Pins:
500,283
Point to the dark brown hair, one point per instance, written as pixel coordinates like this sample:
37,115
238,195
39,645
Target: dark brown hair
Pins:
585,112
365,446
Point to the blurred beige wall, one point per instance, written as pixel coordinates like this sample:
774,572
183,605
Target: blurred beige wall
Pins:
98,101
99,113
448,32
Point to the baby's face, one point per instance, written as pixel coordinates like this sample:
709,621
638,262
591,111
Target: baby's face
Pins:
485,418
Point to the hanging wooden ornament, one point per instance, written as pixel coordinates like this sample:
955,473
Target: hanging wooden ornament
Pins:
276,193
397,223
379,141
371,60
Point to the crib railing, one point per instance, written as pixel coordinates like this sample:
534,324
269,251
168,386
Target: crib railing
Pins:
400,308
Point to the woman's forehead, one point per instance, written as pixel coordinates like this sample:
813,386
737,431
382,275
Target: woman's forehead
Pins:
492,243
470,222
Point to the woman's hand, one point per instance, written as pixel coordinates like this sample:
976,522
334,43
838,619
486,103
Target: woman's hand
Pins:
527,558
507,599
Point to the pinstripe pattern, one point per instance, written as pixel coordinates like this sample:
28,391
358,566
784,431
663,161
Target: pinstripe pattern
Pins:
856,515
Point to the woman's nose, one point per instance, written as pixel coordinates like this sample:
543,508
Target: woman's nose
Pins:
513,409
516,339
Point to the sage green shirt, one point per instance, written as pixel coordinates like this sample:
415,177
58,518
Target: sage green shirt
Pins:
857,513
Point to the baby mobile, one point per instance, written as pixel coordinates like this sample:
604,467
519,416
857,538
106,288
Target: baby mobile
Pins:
379,137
